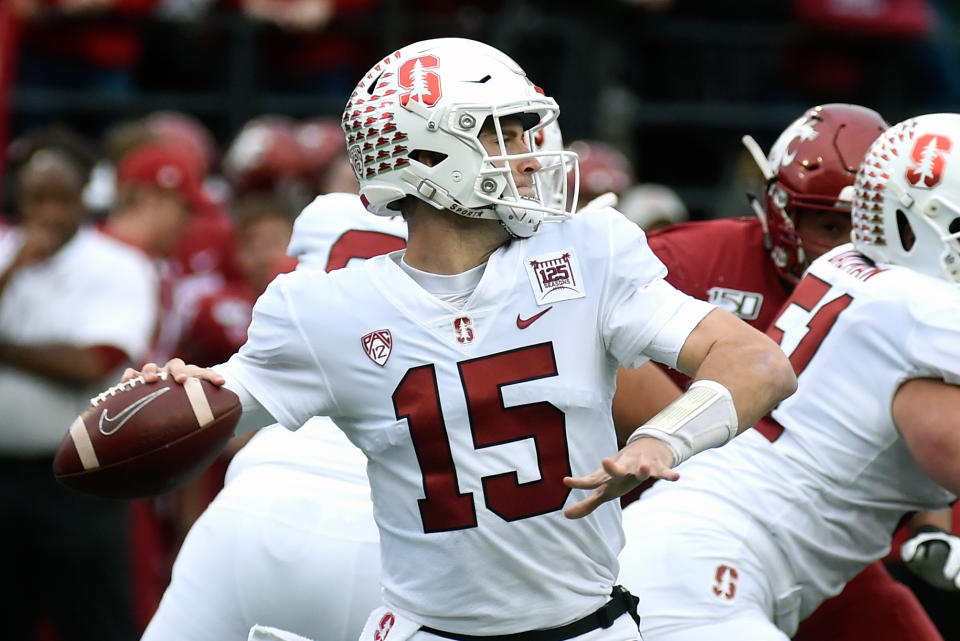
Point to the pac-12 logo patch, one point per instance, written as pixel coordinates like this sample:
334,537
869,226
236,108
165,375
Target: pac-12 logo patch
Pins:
377,345
555,277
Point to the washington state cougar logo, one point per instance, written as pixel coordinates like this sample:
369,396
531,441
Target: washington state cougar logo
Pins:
419,84
725,582
378,345
929,158
801,129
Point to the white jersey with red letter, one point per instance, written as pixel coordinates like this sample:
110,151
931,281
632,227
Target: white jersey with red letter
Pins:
335,230
835,482
471,417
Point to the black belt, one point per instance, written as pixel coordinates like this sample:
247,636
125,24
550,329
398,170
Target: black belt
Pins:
620,601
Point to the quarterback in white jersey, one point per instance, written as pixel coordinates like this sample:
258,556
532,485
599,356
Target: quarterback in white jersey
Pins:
475,369
295,517
873,332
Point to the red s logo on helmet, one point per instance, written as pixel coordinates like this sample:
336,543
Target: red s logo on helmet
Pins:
419,84
929,159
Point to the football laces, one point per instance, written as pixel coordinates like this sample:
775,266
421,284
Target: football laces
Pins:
120,387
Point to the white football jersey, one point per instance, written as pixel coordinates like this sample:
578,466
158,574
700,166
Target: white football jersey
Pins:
470,418
333,231
833,486
336,230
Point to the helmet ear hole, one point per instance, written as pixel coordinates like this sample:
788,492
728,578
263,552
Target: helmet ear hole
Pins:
954,226
907,236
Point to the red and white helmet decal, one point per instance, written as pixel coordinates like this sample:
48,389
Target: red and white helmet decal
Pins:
929,157
419,83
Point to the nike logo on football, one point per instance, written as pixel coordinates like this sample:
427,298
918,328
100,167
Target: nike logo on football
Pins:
524,323
109,425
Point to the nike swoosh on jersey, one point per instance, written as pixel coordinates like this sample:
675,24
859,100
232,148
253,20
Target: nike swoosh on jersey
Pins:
110,424
524,323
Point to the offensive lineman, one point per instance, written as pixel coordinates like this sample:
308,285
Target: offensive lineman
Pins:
801,217
482,414
872,434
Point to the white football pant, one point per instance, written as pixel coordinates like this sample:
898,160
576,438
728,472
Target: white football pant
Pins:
281,548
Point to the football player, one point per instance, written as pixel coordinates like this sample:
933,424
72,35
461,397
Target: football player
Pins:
475,368
295,518
805,211
872,331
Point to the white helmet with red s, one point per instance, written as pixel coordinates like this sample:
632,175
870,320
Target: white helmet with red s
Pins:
434,96
906,210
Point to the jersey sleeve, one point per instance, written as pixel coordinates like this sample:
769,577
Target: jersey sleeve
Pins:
642,315
278,365
934,342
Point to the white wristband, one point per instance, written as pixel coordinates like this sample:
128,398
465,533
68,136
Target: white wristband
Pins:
703,417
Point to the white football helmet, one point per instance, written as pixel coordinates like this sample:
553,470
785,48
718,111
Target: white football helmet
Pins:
906,210
435,96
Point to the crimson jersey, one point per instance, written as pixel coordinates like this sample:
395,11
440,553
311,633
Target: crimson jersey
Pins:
724,262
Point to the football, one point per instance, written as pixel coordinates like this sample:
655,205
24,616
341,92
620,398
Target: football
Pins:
140,439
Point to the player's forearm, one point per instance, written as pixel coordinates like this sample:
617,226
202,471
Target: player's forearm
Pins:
942,520
57,362
757,374
751,366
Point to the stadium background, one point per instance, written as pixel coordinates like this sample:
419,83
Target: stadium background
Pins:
673,84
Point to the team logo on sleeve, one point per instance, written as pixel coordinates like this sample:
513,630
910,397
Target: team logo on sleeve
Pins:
463,327
378,345
555,277
725,582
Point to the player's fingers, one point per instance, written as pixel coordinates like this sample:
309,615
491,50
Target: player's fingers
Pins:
665,473
582,508
209,375
590,481
615,469
150,372
908,550
129,374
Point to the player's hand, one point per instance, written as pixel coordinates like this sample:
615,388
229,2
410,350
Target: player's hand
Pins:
176,368
934,556
644,458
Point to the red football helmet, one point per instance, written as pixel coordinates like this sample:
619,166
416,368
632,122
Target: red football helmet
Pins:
263,154
187,132
809,167
603,168
321,141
